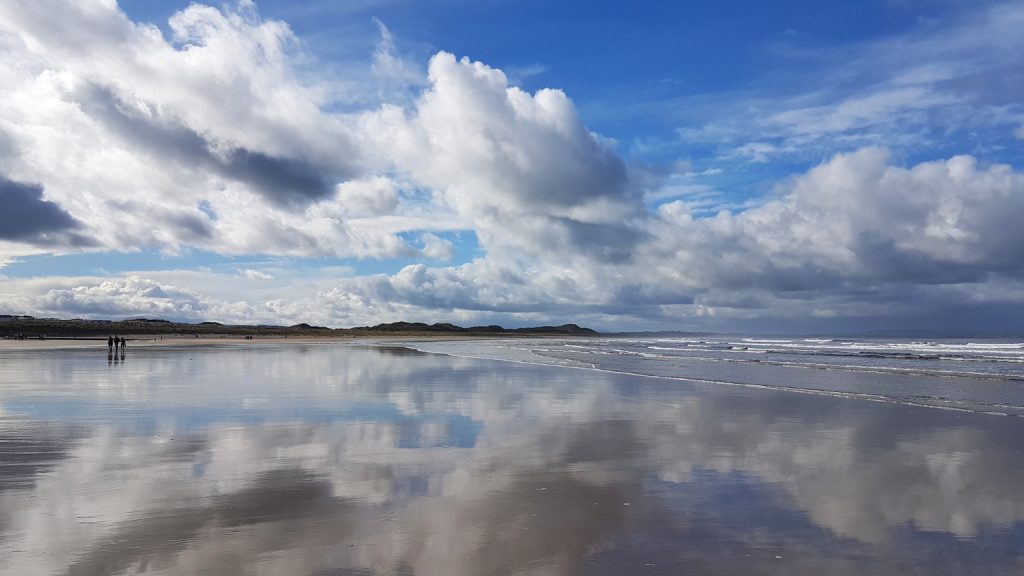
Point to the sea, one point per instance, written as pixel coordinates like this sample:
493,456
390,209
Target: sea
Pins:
974,374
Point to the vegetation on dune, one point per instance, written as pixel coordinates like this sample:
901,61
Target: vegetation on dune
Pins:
58,328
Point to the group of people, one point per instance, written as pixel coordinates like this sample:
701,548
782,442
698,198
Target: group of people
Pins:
114,342
28,337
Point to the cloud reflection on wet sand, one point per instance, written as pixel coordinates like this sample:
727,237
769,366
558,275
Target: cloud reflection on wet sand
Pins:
348,460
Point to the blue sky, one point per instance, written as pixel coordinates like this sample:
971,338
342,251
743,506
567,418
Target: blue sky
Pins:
778,166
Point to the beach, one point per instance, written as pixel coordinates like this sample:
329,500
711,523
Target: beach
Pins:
370,457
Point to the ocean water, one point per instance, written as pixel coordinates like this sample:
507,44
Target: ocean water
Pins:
330,459
984,375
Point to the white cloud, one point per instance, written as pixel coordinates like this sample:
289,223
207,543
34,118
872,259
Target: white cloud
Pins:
131,296
518,74
856,112
855,219
256,274
396,75
937,222
507,161
436,248
373,197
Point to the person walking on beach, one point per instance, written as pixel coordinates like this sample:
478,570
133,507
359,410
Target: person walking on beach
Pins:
123,344
110,344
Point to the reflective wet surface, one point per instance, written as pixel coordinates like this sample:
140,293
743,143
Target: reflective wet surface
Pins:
331,459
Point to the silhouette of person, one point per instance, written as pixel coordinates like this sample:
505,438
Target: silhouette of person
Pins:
110,343
123,344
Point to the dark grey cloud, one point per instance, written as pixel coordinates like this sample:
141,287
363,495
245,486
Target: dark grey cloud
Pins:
195,226
763,274
283,181
884,260
279,179
25,216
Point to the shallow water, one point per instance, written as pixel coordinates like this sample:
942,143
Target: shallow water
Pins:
981,375
333,459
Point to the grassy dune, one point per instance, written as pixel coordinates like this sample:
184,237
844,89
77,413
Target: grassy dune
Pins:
29,327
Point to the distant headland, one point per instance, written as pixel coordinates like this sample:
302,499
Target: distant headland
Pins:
29,327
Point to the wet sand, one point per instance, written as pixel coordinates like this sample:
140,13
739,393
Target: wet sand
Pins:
303,458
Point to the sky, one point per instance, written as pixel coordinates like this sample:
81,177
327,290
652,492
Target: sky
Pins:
768,166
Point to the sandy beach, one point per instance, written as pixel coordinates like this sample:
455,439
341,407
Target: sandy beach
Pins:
302,457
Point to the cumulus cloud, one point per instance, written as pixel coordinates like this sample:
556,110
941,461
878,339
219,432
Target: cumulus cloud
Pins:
858,218
522,168
372,197
132,296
